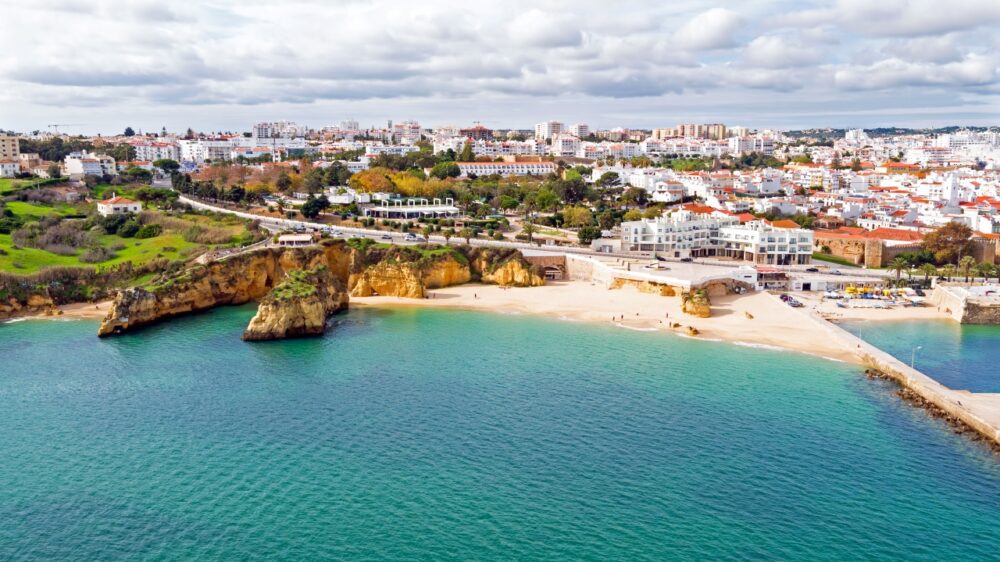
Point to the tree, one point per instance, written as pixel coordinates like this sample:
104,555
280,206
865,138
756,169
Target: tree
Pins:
928,269
54,170
948,271
314,181
426,231
447,233
609,179
129,132
313,206
966,264
575,217
284,182
168,165
984,270
546,198
467,233
466,155
588,234
949,242
443,170
529,230
632,215
898,265
508,203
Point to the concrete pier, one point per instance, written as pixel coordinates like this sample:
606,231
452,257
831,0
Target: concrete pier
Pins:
978,410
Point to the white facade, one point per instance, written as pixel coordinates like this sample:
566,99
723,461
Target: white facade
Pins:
683,234
579,130
548,129
9,168
118,206
507,168
79,164
151,151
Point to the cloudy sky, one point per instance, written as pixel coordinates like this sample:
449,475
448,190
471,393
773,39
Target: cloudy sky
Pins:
99,65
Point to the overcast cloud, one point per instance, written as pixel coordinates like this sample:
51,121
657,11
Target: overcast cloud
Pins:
98,65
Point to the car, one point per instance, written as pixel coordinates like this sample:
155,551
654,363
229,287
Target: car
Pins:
794,303
387,237
687,260
337,233
784,297
835,272
812,269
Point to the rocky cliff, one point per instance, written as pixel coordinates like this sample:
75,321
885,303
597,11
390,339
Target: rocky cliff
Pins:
359,268
298,306
501,266
235,280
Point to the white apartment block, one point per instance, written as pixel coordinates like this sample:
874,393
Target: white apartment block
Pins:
507,168
287,129
548,129
685,233
579,130
80,164
152,151
565,145
746,145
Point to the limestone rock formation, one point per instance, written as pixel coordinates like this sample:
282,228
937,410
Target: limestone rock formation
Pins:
696,303
501,266
298,306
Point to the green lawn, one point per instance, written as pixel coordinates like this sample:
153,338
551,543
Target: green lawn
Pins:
167,246
832,259
10,185
31,210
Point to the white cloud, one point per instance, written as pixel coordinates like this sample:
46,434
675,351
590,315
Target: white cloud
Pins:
713,29
237,59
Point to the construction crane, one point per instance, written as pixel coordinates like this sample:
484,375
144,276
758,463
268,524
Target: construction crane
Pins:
55,126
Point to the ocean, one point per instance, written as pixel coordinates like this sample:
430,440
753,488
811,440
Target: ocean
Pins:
446,435
957,355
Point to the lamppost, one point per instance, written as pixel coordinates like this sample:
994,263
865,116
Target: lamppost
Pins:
913,354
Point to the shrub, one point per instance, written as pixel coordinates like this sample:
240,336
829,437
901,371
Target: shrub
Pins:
96,255
149,231
117,247
129,229
60,249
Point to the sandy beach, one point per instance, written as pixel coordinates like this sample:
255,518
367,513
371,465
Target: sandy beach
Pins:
755,319
828,309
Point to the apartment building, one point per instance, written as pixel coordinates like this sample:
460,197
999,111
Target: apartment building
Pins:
507,168
548,129
80,164
9,148
152,151
705,232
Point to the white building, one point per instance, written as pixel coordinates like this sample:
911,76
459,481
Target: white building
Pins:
548,129
686,233
9,168
152,151
507,168
117,206
579,130
80,164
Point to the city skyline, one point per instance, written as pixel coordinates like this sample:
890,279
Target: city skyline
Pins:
767,64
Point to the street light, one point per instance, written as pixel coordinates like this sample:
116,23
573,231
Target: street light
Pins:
913,354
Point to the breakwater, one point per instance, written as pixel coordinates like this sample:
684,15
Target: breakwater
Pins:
979,411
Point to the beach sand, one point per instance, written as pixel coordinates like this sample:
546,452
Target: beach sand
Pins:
85,310
828,309
773,323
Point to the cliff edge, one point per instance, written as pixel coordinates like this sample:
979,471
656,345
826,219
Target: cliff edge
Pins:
298,306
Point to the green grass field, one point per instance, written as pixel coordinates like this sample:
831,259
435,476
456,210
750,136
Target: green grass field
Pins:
31,210
30,260
10,185
832,259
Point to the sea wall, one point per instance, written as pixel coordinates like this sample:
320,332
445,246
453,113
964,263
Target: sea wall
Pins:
976,410
965,307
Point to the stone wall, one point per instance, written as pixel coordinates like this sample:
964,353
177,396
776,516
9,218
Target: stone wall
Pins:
965,308
849,249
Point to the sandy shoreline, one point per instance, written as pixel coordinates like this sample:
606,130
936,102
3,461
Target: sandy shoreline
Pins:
756,319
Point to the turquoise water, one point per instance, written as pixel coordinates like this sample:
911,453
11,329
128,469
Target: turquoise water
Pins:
456,435
956,355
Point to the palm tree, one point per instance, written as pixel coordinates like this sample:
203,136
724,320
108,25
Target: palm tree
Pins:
984,270
948,271
965,264
529,230
467,233
898,265
426,231
447,233
928,269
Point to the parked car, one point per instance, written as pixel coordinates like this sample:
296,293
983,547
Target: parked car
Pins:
835,272
687,259
387,237
812,269
784,297
794,303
